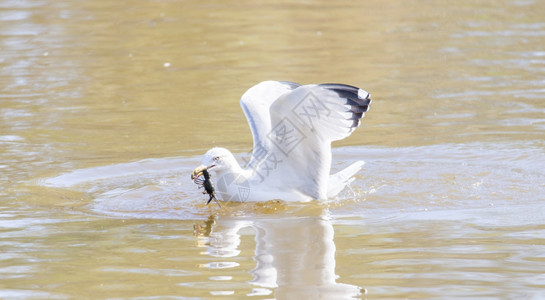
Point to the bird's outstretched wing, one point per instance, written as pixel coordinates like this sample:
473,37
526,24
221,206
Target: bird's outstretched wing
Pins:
295,153
256,103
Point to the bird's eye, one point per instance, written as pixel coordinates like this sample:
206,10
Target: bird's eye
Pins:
216,158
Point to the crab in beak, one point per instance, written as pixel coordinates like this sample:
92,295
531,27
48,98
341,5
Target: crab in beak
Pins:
205,183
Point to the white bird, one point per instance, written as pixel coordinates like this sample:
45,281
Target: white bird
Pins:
292,126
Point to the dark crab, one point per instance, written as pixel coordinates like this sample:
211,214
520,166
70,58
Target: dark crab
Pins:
205,182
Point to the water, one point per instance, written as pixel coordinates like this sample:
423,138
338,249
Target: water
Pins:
107,106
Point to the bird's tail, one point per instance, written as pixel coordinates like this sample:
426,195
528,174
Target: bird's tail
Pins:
338,181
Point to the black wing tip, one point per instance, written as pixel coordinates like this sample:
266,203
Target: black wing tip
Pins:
358,99
349,92
339,86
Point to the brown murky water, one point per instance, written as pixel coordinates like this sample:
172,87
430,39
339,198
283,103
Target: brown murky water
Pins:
107,105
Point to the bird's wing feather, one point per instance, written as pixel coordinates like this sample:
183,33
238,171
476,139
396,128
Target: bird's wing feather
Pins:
303,123
256,103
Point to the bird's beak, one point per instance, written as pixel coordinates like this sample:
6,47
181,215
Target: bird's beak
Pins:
198,171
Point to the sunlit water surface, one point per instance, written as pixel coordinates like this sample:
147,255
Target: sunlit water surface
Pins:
107,105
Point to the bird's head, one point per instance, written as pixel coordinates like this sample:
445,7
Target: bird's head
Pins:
217,159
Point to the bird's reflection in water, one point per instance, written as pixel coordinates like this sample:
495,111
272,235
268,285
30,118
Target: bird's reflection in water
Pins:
295,255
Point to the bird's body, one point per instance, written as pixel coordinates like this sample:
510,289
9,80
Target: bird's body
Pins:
293,127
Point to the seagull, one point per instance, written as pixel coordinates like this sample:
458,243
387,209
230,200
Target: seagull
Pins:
292,126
